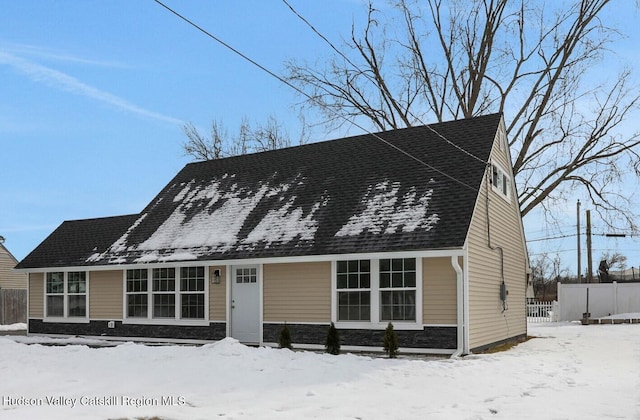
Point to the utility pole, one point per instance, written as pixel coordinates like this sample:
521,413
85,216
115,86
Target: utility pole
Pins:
579,255
589,259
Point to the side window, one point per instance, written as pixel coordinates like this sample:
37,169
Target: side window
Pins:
500,181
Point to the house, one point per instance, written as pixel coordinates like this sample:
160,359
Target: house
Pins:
418,226
13,289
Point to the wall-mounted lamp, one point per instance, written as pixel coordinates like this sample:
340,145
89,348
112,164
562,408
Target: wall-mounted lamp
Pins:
216,276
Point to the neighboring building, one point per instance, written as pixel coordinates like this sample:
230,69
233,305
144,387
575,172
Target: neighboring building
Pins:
418,226
13,286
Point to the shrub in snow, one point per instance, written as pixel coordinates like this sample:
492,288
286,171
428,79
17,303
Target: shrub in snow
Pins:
332,344
285,338
390,341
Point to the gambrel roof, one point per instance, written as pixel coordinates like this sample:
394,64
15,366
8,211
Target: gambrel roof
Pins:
351,195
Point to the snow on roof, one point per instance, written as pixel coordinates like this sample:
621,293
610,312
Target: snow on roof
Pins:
351,195
215,224
208,218
385,212
284,225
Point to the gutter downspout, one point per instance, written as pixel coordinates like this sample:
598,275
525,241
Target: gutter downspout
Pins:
460,306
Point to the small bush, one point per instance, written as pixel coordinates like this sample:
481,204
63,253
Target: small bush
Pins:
332,344
285,338
390,342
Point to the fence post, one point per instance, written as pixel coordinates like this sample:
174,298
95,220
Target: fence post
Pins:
560,317
1,306
615,297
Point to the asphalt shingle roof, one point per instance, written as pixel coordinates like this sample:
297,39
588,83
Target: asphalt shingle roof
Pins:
350,195
73,241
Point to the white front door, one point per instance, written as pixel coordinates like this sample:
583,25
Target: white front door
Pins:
245,304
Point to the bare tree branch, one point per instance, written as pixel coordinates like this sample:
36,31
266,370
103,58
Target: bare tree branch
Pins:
533,62
268,136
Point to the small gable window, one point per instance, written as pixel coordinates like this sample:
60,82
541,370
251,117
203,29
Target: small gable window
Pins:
500,181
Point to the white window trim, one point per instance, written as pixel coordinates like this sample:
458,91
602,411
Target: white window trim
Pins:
66,318
376,323
176,320
359,289
505,195
399,289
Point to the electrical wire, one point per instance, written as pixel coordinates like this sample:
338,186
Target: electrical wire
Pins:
570,235
549,238
300,91
313,28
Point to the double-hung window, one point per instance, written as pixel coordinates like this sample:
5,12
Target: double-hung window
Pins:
137,296
192,292
500,181
354,290
166,293
66,294
377,291
398,289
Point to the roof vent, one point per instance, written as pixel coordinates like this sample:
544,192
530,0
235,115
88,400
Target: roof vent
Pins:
1,239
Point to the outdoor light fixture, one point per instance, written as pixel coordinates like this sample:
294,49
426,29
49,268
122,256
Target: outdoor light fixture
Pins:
216,277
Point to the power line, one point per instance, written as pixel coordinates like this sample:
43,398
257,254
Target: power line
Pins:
300,91
570,235
549,238
325,39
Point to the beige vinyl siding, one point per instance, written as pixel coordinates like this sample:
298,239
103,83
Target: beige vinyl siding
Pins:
439,299
297,292
10,279
36,295
218,295
487,322
105,294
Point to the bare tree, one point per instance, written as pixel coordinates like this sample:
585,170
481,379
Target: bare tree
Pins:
615,260
220,144
532,61
547,271
201,147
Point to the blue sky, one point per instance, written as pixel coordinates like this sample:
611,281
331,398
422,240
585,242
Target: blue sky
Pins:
93,95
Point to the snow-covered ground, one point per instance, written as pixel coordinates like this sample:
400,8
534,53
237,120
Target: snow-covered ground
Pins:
14,327
569,372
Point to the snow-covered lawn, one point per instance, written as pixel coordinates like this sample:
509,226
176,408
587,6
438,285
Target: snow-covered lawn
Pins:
14,327
569,372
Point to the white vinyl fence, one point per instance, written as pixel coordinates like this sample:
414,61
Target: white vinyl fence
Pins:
604,299
542,312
